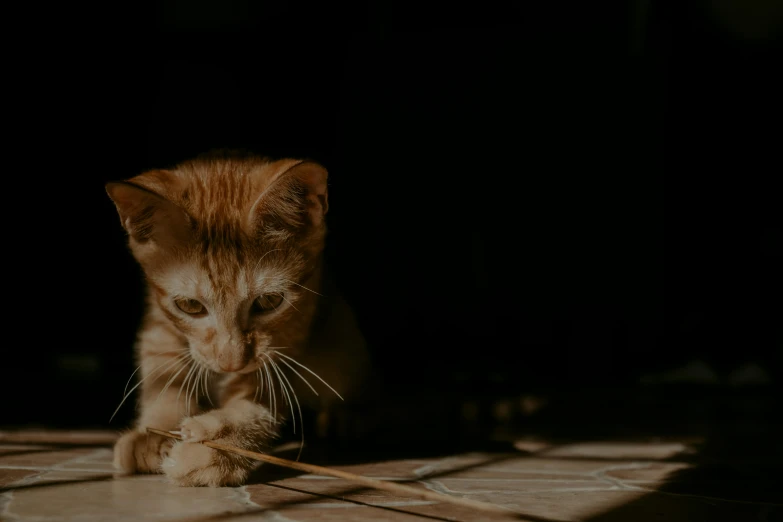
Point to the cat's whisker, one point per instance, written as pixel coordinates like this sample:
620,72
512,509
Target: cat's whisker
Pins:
167,364
269,384
289,302
130,379
286,396
262,257
312,372
207,375
300,376
193,389
259,387
185,382
301,286
194,386
183,386
196,381
273,403
139,368
181,359
194,392
298,407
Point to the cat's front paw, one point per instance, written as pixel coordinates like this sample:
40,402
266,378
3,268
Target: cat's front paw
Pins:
203,427
137,452
193,464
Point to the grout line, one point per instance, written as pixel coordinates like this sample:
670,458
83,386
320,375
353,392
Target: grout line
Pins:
539,472
350,505
559,481
438,486
466,479
243,496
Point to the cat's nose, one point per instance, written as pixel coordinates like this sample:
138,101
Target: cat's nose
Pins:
233,358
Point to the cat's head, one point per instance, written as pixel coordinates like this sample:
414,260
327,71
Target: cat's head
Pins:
228,244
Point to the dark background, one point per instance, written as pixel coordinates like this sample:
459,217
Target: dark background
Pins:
524,197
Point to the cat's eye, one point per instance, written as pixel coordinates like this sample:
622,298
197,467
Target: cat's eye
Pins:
190,306
268,302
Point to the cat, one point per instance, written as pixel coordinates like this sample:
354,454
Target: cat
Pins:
238,314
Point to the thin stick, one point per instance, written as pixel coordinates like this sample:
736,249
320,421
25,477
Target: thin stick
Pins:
391,487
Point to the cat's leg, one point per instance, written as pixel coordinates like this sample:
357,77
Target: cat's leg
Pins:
241,422
164,403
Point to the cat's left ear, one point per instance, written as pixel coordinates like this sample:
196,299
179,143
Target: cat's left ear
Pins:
296,192
146,215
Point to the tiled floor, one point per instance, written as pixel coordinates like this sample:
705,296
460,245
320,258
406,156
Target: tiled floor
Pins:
62,476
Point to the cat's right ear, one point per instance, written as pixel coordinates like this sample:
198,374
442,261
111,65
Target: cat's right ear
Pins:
146,215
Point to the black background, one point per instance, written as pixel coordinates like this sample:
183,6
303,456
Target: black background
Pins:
542,195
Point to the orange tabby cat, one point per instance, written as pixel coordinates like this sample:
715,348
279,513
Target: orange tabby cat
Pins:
231,248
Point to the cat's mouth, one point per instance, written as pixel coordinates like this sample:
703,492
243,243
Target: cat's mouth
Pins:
251,367
212,365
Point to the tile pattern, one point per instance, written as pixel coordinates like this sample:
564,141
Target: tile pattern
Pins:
59,477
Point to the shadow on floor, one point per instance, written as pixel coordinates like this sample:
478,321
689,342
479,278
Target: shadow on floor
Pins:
734,482
269,474
734,472
30,449
52,483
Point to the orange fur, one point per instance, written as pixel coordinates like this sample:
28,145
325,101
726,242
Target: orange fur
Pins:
221,231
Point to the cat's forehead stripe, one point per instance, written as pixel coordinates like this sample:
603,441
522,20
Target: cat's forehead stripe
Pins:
221,196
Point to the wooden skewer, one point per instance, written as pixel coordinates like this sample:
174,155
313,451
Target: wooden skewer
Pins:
391,487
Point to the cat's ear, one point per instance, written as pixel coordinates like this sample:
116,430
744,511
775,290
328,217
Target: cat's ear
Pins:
296,192
146,215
